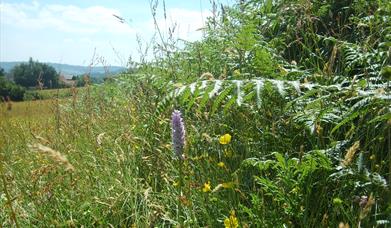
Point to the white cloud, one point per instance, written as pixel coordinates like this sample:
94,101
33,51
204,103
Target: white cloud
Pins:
63,18
73,33
187,23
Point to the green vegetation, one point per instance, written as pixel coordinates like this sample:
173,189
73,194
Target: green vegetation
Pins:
94,70
286,106
9,90
37,112
27,75
82,80
34,80
35,74
50,93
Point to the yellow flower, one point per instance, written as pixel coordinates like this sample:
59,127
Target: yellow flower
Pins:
232,221
225,139
221,164
206,187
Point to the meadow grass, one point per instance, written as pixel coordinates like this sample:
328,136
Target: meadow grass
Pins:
43,94
34,145
290,128
108,161
28,110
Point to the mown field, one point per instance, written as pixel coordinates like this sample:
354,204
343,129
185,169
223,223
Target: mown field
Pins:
28,110
286,112
45,94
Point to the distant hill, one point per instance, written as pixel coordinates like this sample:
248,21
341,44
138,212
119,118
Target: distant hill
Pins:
69,70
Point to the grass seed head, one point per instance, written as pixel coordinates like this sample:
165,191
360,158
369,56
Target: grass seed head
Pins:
54,155
350,154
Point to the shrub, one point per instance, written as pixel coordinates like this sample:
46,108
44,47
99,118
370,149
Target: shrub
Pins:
11,90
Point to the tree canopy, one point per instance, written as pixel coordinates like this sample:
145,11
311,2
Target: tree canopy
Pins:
9,90
34,73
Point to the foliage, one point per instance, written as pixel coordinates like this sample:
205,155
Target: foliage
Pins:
83,80
50,94
9,90
35,74
287,112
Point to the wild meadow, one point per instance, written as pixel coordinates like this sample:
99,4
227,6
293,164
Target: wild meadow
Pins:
279,117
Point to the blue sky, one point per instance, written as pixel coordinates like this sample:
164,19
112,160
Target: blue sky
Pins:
81,32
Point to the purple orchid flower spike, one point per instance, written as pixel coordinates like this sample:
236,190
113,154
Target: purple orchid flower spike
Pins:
178,133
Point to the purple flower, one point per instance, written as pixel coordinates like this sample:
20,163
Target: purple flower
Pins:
178,133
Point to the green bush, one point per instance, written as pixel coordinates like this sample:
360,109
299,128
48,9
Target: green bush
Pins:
34,73
11,90
31,95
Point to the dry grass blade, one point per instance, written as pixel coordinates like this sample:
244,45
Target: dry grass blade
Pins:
99,138
43,140
367,208
350,154
54,155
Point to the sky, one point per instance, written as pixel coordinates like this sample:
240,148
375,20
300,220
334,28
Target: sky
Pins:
85,32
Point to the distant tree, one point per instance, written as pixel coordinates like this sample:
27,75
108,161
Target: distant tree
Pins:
2,72
35,73
10,89
82,80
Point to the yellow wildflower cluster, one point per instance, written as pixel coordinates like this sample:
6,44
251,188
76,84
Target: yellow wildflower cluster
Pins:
232,221
225,139
207,187
221,164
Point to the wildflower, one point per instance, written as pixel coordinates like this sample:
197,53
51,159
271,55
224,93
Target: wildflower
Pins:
221,164
207,187
225,139
232,221
178,133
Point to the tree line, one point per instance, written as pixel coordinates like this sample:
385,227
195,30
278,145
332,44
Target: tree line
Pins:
29,75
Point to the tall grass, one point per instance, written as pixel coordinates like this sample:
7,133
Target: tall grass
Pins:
289,126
